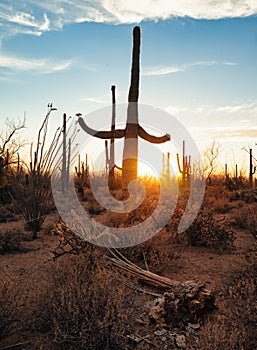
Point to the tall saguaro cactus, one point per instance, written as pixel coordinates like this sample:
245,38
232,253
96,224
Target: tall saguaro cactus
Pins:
133,130
112,155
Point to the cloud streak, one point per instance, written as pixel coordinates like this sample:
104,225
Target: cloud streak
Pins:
161,70
38,16
44,66
13,21
94,100
237,132
235,122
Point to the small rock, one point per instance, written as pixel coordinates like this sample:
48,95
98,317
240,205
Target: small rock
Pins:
194,326
161,332
163,339
157,311
134,338
180,341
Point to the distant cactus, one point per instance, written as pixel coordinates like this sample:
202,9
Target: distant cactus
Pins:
252,168
165,173
185,167
82,172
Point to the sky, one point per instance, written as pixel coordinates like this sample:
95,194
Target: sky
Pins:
198,62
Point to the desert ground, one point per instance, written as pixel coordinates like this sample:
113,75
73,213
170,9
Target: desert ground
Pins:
59,292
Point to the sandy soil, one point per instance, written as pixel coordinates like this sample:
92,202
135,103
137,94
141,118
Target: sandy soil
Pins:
28,271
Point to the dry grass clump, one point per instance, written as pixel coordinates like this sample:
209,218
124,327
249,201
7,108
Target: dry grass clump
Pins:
236,328
11,241
81,306
85,306
207,232
217,198
240,217
252,224
245,217
86,299
248,195
32,195
8,308
221,206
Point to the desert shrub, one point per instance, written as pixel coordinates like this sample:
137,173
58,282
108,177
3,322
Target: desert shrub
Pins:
221,206
8,307
207,232
7,213
85,305
240,217
236,328
245,217
11,241
251,220
33,199
217,198
252,224
248,195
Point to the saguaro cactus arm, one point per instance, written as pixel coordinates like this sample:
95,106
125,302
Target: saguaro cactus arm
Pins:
117,134
179,167
151,138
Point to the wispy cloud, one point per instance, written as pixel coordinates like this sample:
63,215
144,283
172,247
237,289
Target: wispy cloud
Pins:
26,19
237,132
235,121
35,65
161,70
241,112
238,108
94,100
158,70
37,16
14,21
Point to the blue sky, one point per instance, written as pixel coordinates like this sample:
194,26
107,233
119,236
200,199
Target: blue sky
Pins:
198,62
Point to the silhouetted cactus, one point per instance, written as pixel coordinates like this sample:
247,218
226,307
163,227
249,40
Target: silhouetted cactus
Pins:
185,167
112,151
252,168
132,130
82,172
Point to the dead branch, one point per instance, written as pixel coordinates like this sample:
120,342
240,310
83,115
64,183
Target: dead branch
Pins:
12,129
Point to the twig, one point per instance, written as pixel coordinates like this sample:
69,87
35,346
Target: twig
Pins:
146,265
146,340
14,345
137,289
142,338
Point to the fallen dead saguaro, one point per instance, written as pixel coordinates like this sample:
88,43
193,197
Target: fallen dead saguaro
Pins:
180,301
187,301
